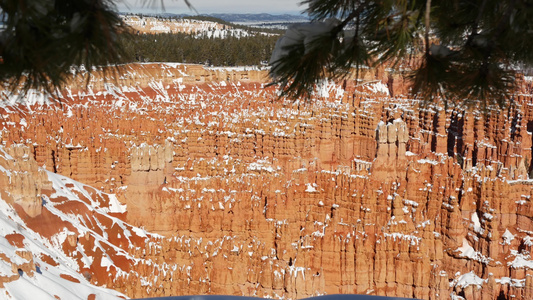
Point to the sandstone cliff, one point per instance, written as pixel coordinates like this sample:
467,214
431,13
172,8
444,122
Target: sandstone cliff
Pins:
357,192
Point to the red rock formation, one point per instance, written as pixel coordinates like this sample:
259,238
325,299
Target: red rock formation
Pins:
355,193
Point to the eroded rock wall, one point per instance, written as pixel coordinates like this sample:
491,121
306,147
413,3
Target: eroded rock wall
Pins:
357,192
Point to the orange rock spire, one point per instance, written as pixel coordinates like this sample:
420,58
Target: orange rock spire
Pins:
358,192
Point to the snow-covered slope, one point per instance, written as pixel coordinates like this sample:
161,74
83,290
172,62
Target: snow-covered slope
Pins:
72,248
36,266
200,28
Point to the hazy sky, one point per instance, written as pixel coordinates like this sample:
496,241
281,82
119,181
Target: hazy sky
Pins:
213,6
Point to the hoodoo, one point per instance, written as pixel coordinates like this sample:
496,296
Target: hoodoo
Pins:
173,179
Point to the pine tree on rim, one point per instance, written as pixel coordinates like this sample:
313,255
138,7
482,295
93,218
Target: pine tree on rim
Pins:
466,52
40,40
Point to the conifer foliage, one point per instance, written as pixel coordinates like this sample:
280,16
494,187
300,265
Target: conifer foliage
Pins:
42,39
459,50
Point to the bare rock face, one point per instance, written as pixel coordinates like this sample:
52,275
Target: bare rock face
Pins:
22,180
391,160
356,192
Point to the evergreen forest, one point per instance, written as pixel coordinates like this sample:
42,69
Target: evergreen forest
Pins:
190,48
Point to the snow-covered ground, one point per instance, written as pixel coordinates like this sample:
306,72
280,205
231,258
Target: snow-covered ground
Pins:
199,28
55,254
39,269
